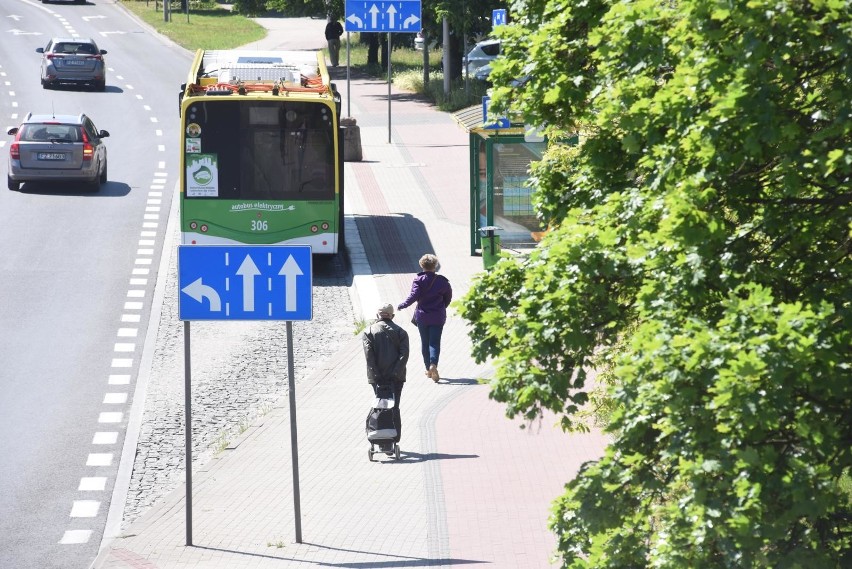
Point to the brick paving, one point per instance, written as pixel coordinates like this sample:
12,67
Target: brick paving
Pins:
472,487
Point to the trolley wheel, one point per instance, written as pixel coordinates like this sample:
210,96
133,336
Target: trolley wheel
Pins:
396,451
370,454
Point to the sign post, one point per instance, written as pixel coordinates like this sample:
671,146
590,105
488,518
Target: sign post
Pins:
270,282
370,16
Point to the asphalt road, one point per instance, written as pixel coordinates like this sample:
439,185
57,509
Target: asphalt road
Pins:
77,274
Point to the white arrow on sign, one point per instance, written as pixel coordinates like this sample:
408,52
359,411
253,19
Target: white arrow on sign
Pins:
410,21
392,13
248,270
374,12
290,271
356,20
198,290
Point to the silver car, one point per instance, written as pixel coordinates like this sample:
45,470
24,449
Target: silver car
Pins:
73,61
57,148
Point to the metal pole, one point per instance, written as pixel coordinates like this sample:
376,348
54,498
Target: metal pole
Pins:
294,444
187,429
348,94
446,24
389,86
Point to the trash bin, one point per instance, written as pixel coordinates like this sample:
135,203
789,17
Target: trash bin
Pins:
351,140
490,246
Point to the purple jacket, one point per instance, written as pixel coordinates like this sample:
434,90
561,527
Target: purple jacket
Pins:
432,293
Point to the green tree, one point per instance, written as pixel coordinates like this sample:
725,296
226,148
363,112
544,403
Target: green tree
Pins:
700,253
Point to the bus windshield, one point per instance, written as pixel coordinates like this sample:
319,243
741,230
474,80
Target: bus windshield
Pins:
282,150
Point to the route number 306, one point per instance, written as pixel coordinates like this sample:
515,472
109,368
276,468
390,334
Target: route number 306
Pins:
259,225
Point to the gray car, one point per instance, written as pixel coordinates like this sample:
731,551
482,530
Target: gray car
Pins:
73,61
57,148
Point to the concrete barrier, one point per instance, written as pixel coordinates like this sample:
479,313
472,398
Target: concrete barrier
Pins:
351,140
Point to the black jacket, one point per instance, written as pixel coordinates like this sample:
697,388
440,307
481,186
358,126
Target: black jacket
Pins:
386,350
333,30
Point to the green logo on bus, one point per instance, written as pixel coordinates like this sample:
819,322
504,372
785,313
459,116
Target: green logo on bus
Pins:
202,176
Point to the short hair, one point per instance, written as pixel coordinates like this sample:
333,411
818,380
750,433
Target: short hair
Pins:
429,262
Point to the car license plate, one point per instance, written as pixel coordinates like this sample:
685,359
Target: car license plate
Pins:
75,62
51,156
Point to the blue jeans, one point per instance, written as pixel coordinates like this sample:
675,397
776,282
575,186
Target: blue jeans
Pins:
430,342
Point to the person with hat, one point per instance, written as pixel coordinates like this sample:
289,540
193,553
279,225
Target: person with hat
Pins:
386,351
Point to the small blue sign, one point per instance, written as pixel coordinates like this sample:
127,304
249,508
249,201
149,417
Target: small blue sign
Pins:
374,16
270,282
498,18
497,123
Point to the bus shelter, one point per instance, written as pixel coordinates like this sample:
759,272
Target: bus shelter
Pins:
501,212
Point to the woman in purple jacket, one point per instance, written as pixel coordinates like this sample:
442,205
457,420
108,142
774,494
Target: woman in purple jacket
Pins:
432,293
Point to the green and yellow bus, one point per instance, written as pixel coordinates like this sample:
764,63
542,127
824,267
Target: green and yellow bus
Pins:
261,151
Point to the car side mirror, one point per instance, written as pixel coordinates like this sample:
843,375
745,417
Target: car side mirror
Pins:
13,130
40,50
103,52
103,134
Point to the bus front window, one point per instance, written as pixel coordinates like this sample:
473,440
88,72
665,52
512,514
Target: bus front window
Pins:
270,150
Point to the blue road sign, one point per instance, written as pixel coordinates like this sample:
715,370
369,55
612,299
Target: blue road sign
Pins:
270,282
498,18
501,122
375,16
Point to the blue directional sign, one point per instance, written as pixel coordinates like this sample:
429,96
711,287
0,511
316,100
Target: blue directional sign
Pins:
270,282
498,18
375,16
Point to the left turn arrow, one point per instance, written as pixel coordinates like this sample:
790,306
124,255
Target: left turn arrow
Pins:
198,290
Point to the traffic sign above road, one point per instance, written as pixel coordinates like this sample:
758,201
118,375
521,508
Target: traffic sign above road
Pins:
375,16
270,282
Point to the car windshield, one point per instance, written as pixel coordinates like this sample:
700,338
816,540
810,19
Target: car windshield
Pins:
49,132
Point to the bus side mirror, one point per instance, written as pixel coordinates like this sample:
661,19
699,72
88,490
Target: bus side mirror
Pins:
338,101
180,96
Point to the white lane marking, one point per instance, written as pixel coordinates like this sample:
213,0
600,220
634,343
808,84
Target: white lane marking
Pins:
119,379
158,132
110,417
157,186
144,252
127,332
105,437
99,459
133,306
130,317
143,261
121,362
151,216
160,165
135,294
155,201
150,224
92,484
115,398
161,147
125,348
75,536
85,508
138,282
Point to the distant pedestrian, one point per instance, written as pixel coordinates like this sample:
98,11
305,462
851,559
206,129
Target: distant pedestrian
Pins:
432,293
386,351
333,31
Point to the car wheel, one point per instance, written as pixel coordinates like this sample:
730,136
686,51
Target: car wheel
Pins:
13,185
103,178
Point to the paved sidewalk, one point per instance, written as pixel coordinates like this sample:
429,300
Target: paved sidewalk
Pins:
471,487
